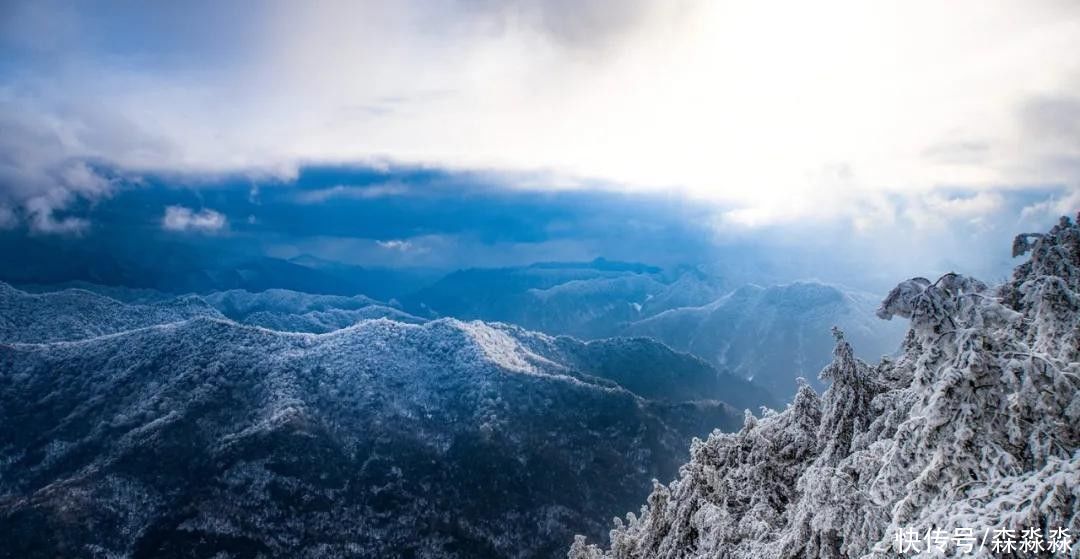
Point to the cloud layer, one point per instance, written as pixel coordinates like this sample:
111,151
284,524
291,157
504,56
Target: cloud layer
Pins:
778,110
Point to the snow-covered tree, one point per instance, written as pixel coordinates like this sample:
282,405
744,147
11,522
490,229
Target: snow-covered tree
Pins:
711,506
972,427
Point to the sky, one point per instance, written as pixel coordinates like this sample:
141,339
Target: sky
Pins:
917,125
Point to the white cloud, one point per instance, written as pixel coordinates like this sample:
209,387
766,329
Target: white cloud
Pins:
974,206
179,218
1066,204
396,244
739,101
39,173
341,191
42,214
937,211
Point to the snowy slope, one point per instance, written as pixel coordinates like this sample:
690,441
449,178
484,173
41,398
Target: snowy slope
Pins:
775,334
238,304
61,312
588,308
384,439
74,314
646,367
293,311
972,428
319,322
136,295
585,300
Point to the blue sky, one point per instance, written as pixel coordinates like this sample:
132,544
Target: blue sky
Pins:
482,132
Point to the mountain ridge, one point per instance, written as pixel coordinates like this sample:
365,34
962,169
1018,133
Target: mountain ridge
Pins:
205,436
773,334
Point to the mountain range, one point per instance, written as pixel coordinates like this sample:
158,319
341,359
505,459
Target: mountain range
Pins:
774,334
170,430
237,423
777,334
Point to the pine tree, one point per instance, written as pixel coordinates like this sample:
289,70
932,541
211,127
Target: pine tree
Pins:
972,426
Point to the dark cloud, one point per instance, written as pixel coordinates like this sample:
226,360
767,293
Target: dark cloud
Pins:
148,231
153,232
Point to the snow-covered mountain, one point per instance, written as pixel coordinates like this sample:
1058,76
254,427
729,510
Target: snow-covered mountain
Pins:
384,439
772,335
652,370
237,304
970,432
75,314
320,322
136,295
775,334
56,313
586,300
294,311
